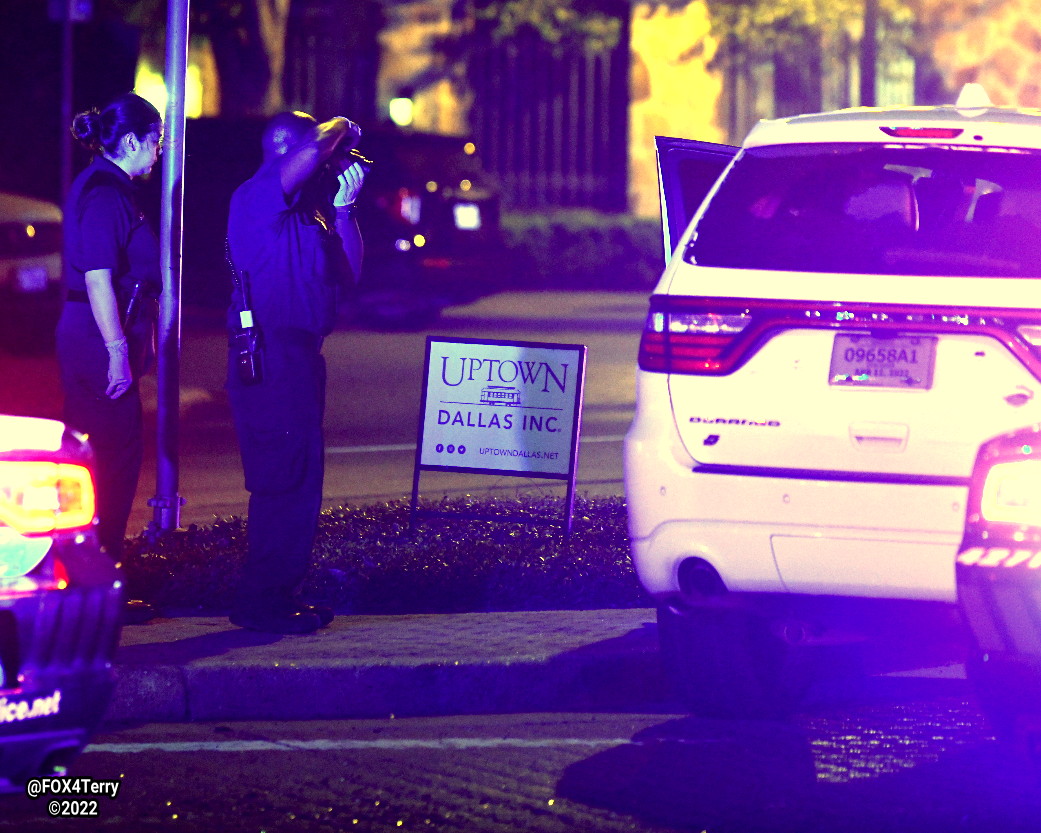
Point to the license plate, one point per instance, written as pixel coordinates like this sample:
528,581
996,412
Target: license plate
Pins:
32,278
899,362
467,216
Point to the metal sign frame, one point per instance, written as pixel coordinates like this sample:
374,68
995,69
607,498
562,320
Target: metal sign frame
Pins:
509,402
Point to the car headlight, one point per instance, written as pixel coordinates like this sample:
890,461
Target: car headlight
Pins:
1011,493
40,498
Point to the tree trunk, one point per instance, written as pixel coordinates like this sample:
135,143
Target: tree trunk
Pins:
274,18
248,41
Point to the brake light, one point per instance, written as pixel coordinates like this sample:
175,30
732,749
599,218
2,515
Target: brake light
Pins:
1003,507
61,574
38,497
923,132
1011,493
436,262
403,205
678,341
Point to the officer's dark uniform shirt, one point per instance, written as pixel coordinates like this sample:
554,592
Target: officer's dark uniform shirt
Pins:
293,260
105,229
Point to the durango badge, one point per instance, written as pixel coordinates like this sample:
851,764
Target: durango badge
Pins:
771,423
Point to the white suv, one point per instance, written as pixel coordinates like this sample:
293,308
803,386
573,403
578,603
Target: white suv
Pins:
853,307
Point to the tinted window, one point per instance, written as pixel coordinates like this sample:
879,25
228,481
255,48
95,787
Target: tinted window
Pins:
877,209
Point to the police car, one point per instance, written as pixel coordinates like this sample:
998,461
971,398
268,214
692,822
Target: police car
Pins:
999,585
59,601
852,305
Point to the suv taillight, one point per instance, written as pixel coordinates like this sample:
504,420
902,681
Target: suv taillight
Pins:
690,341
40,498
714,336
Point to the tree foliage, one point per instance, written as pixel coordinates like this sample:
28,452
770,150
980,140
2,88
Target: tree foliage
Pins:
776,25
755,25
584,23
247,37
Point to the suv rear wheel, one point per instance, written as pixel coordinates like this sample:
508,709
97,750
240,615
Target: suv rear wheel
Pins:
727,663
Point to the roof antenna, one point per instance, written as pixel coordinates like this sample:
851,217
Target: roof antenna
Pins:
973,95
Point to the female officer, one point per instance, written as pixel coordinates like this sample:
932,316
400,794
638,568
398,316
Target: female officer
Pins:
111,263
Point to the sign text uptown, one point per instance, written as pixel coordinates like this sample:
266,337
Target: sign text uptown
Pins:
501,406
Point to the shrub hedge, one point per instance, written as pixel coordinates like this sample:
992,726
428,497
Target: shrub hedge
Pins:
367,562
582,249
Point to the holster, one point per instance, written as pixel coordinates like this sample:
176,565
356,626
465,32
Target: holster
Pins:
249,355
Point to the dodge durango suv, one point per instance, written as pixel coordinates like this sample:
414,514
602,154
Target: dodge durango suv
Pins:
851,306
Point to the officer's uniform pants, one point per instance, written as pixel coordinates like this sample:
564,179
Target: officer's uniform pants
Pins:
113,426
279,426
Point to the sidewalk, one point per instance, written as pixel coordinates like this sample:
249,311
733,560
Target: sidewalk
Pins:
204,668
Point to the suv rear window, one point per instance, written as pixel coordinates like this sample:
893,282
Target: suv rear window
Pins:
876,209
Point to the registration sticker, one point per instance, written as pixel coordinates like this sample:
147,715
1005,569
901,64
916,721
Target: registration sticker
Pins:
862,360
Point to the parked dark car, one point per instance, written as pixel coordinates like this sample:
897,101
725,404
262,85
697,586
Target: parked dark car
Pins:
429,216
428,211
59,602
999,585
30,272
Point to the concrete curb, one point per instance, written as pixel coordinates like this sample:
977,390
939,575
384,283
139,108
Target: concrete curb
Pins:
203,668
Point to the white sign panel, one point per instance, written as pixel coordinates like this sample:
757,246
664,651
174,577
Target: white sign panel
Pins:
501,407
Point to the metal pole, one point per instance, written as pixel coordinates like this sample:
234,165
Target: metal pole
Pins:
167,502
869,54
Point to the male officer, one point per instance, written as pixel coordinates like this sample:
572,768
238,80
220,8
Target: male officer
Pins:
293,243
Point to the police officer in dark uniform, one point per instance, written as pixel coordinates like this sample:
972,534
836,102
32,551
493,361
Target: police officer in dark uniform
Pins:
111,268
293,245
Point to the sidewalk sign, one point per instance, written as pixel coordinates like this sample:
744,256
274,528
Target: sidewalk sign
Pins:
500,408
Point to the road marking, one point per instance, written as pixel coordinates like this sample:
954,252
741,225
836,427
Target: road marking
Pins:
377,449
324,745
368,449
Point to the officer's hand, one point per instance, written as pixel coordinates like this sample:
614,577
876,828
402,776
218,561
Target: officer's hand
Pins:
350,181
119,376
353,135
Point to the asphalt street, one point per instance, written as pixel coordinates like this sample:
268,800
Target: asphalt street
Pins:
373,402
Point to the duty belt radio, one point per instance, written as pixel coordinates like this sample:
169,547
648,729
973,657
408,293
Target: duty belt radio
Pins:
246,341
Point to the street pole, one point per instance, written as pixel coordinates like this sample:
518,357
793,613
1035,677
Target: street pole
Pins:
869,54
167,501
